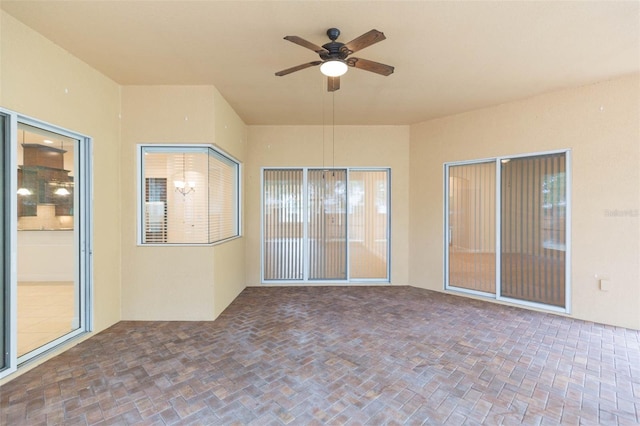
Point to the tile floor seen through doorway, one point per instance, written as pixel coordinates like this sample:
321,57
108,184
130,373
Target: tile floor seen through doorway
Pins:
45,312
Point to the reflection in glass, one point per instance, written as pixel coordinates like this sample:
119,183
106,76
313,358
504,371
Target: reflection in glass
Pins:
48,292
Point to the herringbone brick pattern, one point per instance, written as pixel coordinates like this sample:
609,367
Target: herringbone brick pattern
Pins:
340,355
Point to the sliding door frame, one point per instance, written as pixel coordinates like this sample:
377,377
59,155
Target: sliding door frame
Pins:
9,216
498,247
305,232
83,236
447,226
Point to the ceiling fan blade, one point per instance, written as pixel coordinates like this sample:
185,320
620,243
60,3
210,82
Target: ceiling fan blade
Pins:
333,84
304,43
372,66
365,40
298,68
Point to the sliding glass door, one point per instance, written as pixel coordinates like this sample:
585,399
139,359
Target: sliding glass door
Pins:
46,234
325,225
472,237
533,229
529,233
48,247
283,225
368,224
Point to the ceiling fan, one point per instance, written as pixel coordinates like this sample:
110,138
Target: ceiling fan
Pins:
335,58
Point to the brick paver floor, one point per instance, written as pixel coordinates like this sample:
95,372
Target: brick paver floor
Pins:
340,355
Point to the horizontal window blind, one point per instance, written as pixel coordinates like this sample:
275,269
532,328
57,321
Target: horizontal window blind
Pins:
155,230
223,193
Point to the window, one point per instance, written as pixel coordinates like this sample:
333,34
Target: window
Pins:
189,195
325,225
507,228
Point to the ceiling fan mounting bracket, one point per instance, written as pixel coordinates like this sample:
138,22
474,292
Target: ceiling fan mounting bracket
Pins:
333,34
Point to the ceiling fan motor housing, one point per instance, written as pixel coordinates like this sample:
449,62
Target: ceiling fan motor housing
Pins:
334,49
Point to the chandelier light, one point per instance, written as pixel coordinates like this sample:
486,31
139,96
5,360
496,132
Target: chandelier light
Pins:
184,186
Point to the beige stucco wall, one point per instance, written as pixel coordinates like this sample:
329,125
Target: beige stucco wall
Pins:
355,146
176,283
42,81
600,123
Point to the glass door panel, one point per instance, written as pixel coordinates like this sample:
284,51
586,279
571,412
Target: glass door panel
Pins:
368,224
471,220
283,221
48,289
327,228
534,200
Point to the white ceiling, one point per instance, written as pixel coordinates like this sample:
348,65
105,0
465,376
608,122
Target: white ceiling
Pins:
449,56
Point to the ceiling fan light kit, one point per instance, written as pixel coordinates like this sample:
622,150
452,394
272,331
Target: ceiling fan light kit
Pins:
334,68
335,60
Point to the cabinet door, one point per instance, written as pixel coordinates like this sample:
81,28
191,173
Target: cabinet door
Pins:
27,193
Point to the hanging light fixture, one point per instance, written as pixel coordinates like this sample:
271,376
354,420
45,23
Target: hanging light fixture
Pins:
62,191
182,185
334,68
22,190
325,167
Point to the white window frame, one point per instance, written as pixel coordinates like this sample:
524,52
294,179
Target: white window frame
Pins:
498,296
181,148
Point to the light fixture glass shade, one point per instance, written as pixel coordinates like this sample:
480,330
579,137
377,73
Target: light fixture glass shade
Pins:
182,184
334,68
24,191
62,191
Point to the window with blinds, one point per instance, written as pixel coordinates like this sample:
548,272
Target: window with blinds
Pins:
522,203
189,195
